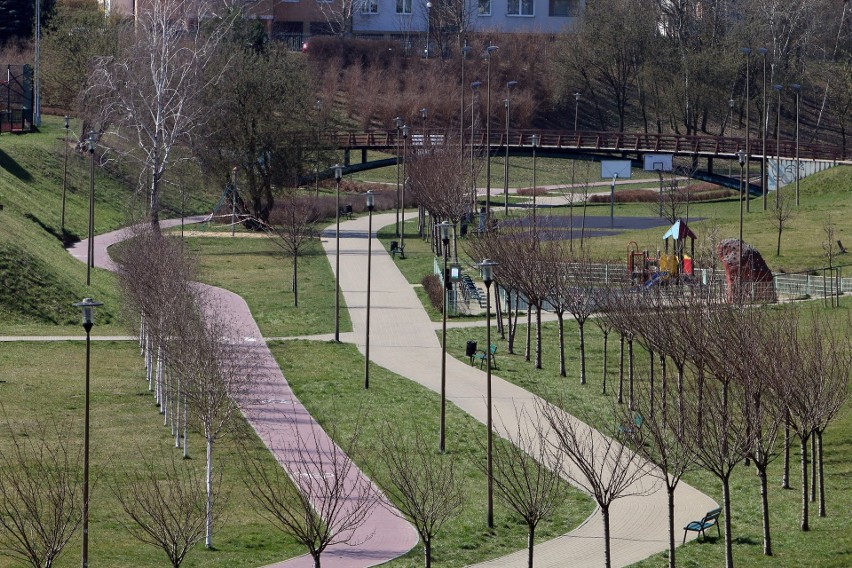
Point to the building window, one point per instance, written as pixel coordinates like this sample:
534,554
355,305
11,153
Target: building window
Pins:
369,6
403,7
484,7
563,8
521,8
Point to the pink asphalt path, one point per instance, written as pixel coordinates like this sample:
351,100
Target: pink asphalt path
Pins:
279,419
403,340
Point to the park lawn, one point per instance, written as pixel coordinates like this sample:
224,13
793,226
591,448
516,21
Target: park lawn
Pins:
829,543
328,379
44,382
259,271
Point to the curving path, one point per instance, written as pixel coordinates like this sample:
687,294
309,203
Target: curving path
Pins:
403,340
278,417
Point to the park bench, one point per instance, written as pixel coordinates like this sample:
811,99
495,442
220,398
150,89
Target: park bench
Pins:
631,426
346,211
480,356
395,249
710,519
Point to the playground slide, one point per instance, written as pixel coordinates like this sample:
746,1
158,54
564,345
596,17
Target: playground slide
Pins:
656,278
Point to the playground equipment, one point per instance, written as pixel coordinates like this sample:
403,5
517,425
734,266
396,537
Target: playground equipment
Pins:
645,270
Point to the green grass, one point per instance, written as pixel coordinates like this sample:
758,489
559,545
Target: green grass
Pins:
327,379
43,381
256,269
827,544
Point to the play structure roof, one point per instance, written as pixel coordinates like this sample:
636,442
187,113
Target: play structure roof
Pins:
679,231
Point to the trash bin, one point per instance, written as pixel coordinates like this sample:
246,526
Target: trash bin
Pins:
470,351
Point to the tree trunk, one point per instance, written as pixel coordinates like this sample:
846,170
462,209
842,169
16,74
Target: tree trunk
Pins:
663,388
538,336
530,546
514,328
820,474
785,477
295,285
527,352
726,498
603,381
621,369
813,469
208,538
764,501
316,556
561,318
511,344
607,552
651,384
427,552
581,326
671,493
803,447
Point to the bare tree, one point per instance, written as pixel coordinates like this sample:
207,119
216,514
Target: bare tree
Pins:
526,474
292,228
424,485
166,503
602,466
317,497
782,213
148,95
40,480
581,301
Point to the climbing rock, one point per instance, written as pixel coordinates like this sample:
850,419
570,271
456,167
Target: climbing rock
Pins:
753,274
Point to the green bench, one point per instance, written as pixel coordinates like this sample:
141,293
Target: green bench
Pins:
480,355
710,519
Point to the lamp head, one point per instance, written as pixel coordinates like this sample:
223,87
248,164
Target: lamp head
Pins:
534,140
731,103
491,49
338,172
318,104
405,131
91,141
398,122
370,196
746,51
424,113
444,228
762,51
511,84
476,84
577,96
796,87
88,306
486,268
777,88
741,156
67,121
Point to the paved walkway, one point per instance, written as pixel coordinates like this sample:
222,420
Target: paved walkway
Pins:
279,418
403,340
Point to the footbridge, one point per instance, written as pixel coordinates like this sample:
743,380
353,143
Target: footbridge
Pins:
703,151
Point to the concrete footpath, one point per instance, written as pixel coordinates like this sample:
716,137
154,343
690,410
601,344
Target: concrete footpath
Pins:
403,340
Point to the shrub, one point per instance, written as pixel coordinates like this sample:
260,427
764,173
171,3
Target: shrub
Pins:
435,291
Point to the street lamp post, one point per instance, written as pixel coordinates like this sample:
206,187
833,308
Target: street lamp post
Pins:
64,179
87,305
534,146
488,51
402,192
398,123
473,89
90,261
507,103
338,175
742,157
731,103
576,108
464,51
778,88
428,26
424,113
747,52
318,107
445,240
764,120
487,268
370,203
796,88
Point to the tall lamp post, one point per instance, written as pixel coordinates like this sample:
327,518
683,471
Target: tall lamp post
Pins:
87,305
424,114
577,96
731,103
90,261
488,51
445,240
778,88
428,26
507,104
534,146
796,88
338,175
370,202
747,52
742,156
473,90
464,51
764,120
398,123
402,192
318,107
487,268
64,179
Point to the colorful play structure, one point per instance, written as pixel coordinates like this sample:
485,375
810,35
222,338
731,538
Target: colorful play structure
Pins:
666,268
